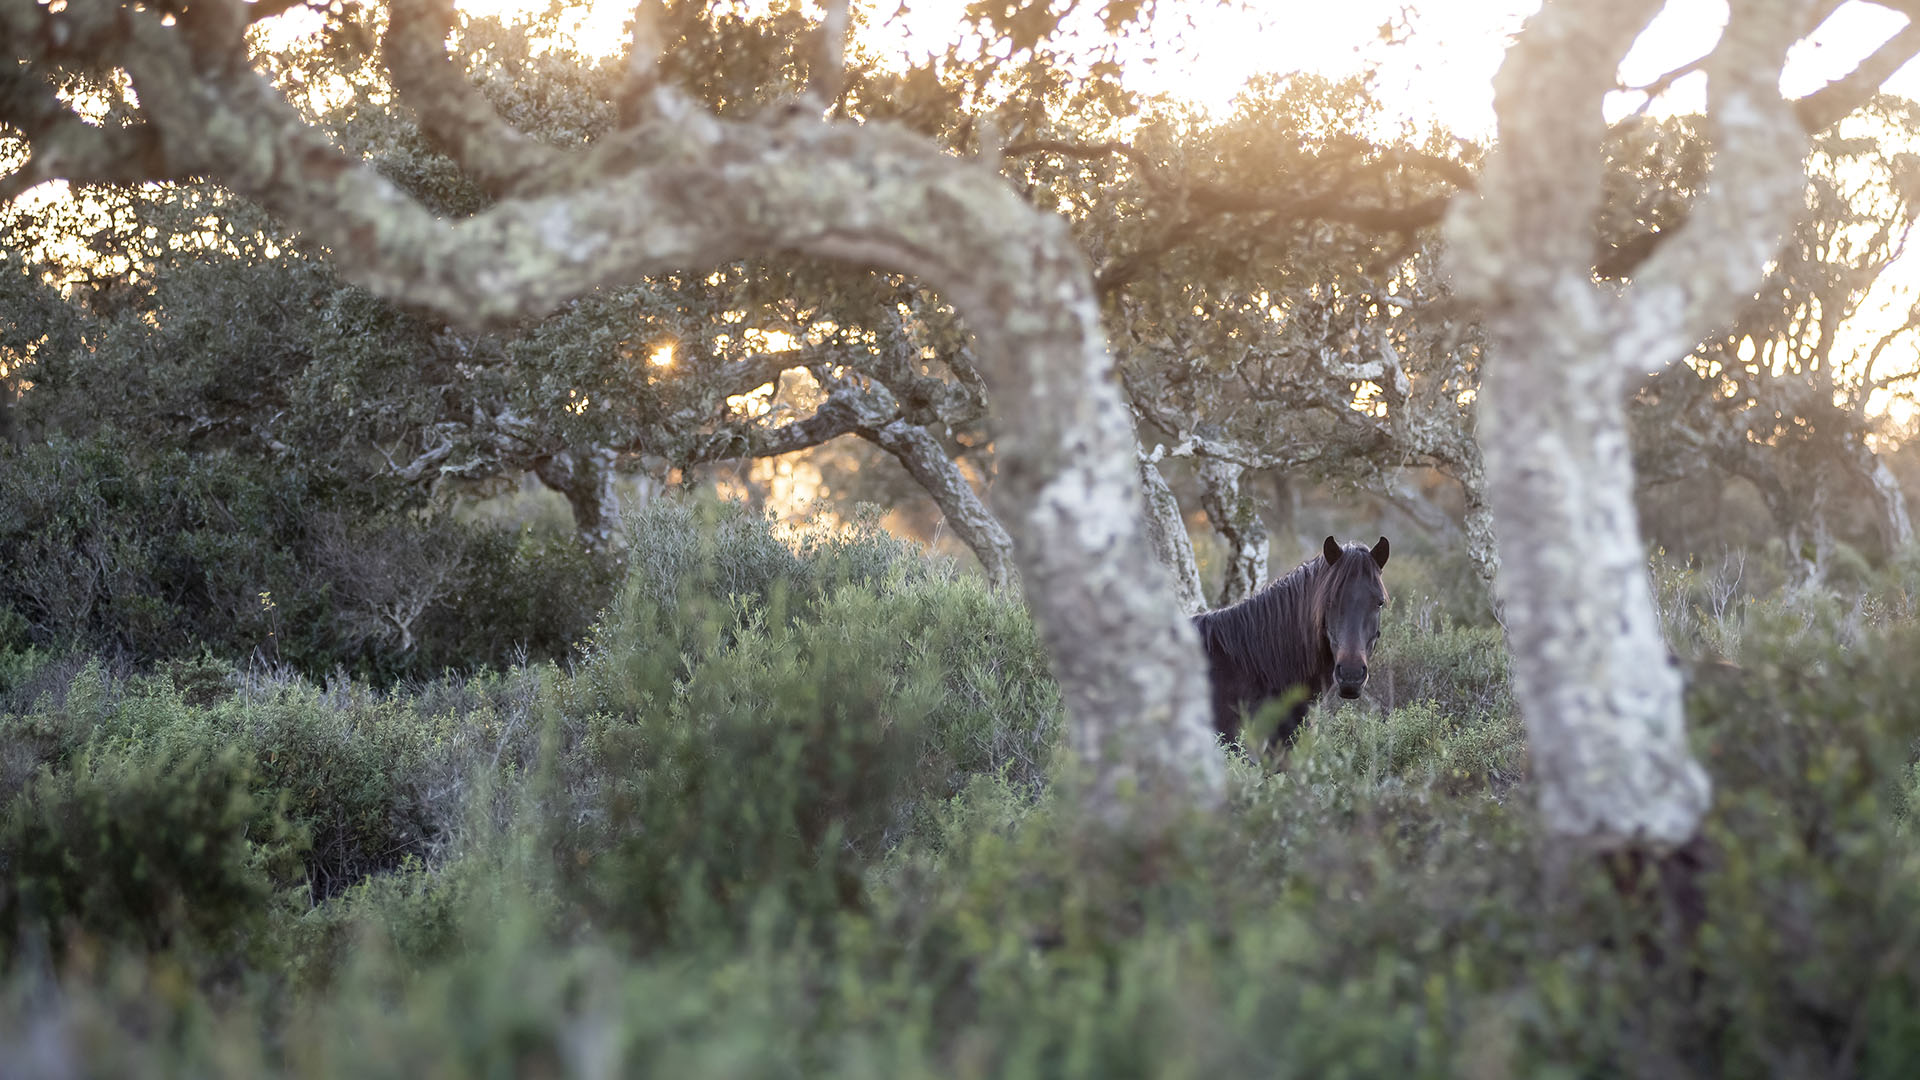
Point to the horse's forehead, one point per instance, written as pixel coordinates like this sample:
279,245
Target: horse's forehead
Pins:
1365,583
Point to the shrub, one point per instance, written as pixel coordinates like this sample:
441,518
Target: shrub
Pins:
157,555
801,823
343,767
365,778
147,849
1442,580
1423,655
780,721
1421,743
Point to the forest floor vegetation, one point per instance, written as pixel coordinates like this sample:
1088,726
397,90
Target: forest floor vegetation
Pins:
793,810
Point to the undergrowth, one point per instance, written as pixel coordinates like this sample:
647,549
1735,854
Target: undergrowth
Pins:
795,811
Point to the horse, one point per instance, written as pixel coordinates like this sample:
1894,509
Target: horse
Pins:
1314,628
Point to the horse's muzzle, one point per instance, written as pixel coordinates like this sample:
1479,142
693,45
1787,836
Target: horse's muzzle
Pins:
1349,678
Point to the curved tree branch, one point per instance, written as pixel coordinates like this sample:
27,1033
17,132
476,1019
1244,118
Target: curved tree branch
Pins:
451,110
684,188
1755,192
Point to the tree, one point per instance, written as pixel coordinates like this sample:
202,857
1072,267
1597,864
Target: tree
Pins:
1782,398
1272,296
1602,703
319,372
682,187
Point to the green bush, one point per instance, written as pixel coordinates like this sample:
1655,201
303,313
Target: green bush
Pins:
146,849
1423,655
768,719
158,554
106,548
366,778
1438,579
343,767
717,552
1423,743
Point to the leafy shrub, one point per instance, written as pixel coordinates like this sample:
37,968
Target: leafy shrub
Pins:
365,778
158,554
718,551
779,721
146,849
1440,579
1808,946
412,918
818,806
779,764
1422,743
343,767
109,549
520,596
1423,655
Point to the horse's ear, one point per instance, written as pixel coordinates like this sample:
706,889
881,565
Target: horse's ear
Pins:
1380,553
1331,551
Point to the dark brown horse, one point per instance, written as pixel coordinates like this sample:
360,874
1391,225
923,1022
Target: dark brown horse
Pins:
1312,629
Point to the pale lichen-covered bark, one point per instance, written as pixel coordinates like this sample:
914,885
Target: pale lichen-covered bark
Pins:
1894,521
1601,699
683,189
1236,517
966,513
586,478
1167,532
1483,549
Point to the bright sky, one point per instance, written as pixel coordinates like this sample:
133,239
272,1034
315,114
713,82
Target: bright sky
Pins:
1441,70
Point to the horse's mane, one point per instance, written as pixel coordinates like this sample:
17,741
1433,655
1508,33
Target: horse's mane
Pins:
1278,634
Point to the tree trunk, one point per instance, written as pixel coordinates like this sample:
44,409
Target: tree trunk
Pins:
1482,548
1285,508
1891,518
1592,675
1819,533
1235,515
1167,533
587,479
1601,701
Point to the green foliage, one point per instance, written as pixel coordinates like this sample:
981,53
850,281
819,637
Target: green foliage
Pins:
147,849
1809,941
772,717
345,766
702,549
1423,655
160,554
1424,744
1440,581
348,780
104,551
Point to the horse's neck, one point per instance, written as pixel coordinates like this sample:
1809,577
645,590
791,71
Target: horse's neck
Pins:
1282,613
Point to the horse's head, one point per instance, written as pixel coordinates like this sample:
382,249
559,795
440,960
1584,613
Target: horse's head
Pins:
1350,609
